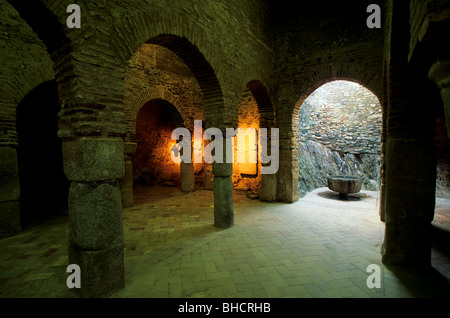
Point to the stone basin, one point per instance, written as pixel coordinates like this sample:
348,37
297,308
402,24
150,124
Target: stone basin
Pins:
344,185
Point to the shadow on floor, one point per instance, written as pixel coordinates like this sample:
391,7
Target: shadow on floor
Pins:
440,240
427,283
327,194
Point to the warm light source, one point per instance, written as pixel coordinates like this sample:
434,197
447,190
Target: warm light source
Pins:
247,151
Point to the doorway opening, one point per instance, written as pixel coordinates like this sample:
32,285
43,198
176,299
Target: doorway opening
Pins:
339,133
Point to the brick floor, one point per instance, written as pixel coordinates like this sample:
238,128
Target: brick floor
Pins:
316,247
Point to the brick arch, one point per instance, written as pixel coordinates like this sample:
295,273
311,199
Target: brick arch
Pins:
264,102
177,32
202,70
155,93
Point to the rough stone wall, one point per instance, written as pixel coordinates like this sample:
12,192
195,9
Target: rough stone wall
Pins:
152,163
316,162
155,72
343,116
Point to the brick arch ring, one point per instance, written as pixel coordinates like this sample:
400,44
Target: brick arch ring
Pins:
133,106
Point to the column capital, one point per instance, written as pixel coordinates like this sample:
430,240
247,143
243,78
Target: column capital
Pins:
440,72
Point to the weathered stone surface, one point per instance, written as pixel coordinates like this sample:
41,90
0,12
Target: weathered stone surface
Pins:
344,184
407,243
9,218
223,202
316,162
268,190
102,271
9,175
93,159
222,169
344,116
187,177
95,215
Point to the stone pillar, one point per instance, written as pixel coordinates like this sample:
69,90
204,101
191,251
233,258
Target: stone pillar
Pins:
440,74
223,192
288,175
127,180
9,192
187,177
410,199
94,166
268,191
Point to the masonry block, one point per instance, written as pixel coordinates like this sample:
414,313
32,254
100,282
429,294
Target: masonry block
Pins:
222,169
268,191
93,159
102,271
95,215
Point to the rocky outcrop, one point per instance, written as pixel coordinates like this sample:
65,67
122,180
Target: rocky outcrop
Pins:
316,162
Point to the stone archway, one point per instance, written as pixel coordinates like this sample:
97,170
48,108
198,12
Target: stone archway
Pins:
256,111
339,132
155,73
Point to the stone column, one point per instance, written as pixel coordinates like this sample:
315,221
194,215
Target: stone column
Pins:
223,192
409,202
288,175
187,177
268,191
94,166
440,74
9,192
127,180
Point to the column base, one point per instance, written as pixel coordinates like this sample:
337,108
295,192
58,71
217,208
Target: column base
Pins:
102,271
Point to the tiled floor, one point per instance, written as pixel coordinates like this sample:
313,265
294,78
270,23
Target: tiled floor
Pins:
316,247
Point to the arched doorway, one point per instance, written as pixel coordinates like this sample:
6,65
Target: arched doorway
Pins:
43,184
152,163
339,133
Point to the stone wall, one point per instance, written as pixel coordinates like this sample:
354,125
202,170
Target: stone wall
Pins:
344,116
155,72
152,163
316,162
